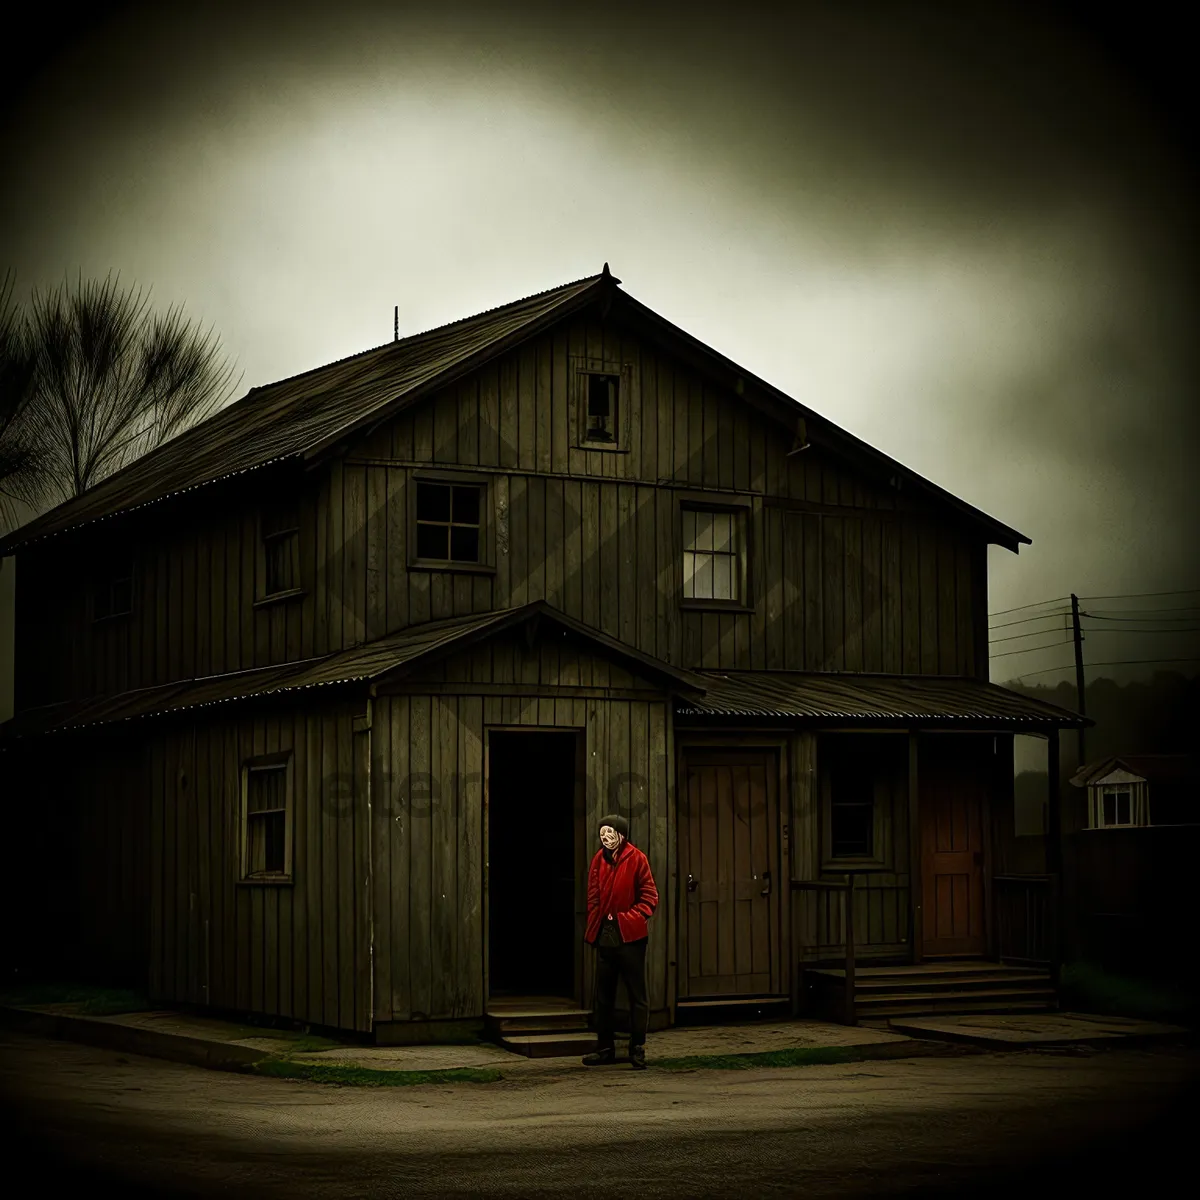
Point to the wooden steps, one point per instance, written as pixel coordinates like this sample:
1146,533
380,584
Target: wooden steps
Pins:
930,989
539,1027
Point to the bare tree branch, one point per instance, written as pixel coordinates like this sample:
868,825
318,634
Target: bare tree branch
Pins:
112,380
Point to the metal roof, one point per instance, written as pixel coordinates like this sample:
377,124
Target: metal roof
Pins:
310,413
366,663
869,698
300,414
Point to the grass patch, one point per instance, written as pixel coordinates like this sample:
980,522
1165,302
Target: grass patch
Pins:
93,1001
282,1068
802,1056
1089,988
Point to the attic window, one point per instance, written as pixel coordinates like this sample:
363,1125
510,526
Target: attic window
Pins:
1117,805
112,588
603,399
280,524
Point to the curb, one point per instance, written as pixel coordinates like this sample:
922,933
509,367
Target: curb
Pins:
983,1041
110,1035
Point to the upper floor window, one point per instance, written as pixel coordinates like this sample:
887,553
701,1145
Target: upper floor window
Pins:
280,527
714,555
603,401
112,587
449,525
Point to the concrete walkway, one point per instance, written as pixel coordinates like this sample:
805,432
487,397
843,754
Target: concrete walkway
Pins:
1013,1030
228,1045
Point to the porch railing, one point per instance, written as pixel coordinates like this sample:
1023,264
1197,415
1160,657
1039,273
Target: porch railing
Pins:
846,887
1026,925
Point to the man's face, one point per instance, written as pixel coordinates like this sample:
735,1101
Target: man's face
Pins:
610,839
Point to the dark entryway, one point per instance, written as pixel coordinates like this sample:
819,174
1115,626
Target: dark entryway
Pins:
532,887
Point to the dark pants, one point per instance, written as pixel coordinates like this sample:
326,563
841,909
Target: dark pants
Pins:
626,961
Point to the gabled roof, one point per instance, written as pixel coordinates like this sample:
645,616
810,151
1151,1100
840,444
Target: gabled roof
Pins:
389,657
1155,768
309,415
869,699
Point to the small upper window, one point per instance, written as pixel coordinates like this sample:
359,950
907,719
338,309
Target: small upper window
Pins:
603,400
1117,805
449,522
112,588
713,555
281,549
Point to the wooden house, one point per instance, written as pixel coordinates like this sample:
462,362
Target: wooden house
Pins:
317,704
1136,790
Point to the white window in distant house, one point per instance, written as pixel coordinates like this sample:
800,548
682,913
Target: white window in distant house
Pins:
1117,805
280,533
267,819
449,528
112,587
714,556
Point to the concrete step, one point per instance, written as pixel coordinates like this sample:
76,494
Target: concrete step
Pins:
549,1045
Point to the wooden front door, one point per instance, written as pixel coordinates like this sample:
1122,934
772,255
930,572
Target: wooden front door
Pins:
951,802
729,870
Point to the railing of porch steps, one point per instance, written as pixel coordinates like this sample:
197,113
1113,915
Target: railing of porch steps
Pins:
849,1015
1026,928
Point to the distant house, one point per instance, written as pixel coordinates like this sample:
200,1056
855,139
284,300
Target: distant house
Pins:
317,705
1132,790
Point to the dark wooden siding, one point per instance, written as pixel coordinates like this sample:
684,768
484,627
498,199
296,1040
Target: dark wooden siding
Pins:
847,575
299,950
428,812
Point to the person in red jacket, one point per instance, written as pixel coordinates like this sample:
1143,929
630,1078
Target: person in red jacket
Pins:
621,898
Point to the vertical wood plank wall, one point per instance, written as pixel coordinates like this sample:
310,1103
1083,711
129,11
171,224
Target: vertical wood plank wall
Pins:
847,575
298,950
428,815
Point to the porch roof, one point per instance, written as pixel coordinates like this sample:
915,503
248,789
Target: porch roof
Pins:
925,699
388,656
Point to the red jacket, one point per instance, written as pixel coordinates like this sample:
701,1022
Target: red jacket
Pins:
625,888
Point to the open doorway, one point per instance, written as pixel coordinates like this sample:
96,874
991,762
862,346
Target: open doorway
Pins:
532,886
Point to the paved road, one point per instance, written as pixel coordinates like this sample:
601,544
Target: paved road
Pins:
975,1125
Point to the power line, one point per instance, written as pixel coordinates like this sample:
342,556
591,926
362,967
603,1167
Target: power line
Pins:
1128,662
1061,612
1031,649
1193,629
1012,637
1143,595
1021,607
1132,614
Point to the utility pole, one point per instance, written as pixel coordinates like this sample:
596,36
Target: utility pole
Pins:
1080,703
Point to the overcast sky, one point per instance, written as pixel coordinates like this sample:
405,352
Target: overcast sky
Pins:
962,232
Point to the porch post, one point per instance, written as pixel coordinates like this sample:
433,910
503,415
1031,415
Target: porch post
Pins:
915,882
1054,852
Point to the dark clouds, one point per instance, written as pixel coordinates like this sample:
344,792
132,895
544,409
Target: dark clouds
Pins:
963,230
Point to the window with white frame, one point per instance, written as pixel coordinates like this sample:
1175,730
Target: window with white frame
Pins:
267,819
714,555
1117,805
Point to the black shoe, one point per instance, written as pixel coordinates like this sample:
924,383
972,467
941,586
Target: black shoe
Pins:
600,1058
637,1057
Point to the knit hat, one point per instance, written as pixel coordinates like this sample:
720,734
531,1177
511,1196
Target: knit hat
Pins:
617,822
